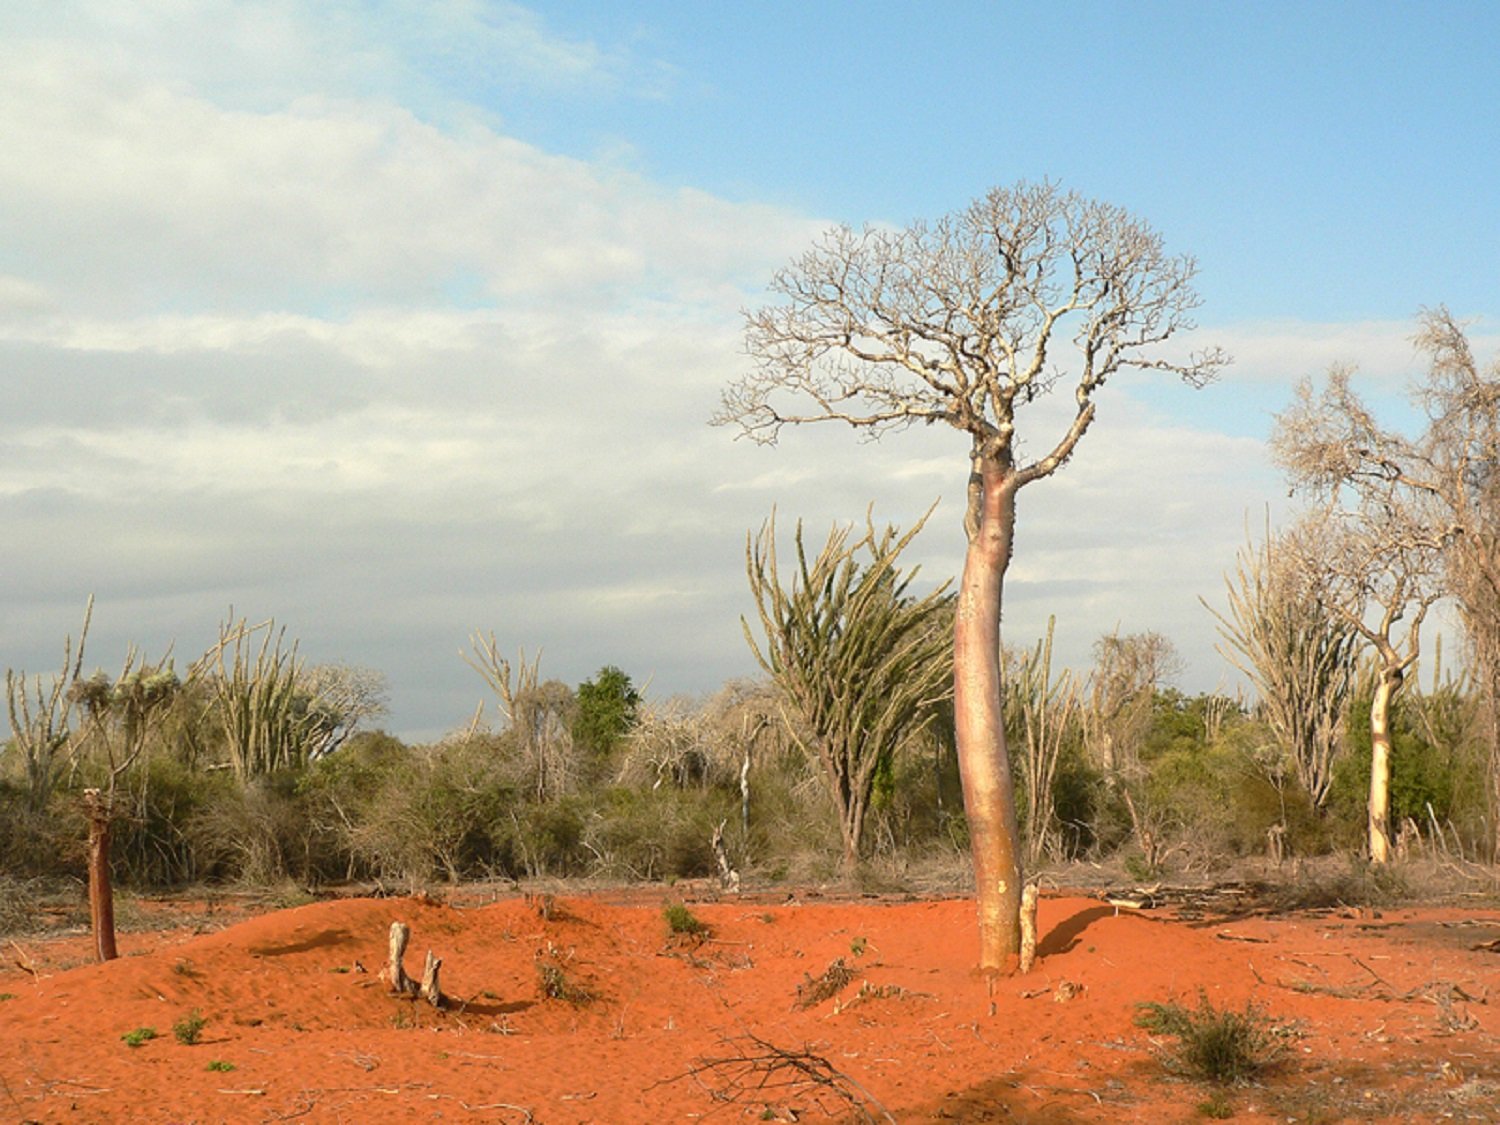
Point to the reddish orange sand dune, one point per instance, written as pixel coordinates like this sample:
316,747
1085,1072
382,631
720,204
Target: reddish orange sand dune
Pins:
1391,1013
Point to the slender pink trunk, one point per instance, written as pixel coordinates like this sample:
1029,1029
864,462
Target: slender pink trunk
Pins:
979,724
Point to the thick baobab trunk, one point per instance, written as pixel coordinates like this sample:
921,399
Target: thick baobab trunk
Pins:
979,724
101,892
1380,766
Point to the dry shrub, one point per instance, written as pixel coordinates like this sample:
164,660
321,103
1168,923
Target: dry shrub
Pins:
1215,1045
833,980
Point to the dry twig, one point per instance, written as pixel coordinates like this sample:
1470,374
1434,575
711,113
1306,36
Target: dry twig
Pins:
758,1073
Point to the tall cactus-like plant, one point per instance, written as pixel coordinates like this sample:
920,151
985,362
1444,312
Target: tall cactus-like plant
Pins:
268,718
1044,711
1299,655
862,661
39,715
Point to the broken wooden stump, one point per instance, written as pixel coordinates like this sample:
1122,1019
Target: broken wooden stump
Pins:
1028,927
395,976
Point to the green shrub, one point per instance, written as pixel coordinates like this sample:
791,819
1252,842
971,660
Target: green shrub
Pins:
189,1027
139,1036
681,920
1214,1045
219,1065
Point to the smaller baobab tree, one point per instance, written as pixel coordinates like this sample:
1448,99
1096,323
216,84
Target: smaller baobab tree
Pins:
1371,547
967,322
119,716
862,660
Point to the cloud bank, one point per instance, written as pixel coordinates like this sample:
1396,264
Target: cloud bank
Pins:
291,324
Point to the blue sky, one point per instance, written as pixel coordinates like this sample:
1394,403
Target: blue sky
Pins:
401,321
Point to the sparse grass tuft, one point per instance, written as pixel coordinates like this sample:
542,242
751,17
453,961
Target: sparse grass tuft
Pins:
139,1036
1215,1045
189,1027
1216,1108
220,1065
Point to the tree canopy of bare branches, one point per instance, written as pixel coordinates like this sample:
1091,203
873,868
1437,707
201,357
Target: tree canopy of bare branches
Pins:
965,322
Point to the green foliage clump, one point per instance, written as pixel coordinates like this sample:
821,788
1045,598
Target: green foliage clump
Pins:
606,709
219,1065
139,1036
680,920
1215,1045
189,1027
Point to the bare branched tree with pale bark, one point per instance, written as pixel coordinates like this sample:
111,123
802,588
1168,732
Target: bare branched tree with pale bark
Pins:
966,322
1460,470
1371,546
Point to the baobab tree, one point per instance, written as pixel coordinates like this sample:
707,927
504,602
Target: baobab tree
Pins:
964,322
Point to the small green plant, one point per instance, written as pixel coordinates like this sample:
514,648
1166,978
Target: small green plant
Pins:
1216,1108
220,1065
681,920
139,1036
184,969
189,1027
7,995
1215,1045
858,946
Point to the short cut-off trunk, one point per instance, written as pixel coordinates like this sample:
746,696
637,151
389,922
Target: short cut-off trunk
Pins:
101,890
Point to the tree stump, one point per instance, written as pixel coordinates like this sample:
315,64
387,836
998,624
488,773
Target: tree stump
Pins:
430,990
1028,927
395,971
101,892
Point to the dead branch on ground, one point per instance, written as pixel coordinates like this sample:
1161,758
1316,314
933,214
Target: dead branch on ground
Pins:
756,1072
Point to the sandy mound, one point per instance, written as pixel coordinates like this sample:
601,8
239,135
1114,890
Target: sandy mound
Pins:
1390,1012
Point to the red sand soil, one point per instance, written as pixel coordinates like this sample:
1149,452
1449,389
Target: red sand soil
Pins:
1389,1012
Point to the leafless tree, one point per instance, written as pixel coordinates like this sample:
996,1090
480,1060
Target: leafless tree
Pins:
1370,547
342,699
1299,655
1117,712
1459,468
862,660
961,322
537,713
